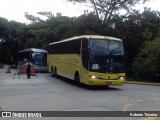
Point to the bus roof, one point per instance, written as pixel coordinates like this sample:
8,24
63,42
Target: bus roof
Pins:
88,37
34,50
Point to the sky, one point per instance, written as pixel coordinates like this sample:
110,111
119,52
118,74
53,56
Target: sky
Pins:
15,9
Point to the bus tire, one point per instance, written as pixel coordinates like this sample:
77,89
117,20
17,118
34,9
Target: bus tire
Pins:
77,79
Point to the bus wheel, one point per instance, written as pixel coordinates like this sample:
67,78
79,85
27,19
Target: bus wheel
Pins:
77,79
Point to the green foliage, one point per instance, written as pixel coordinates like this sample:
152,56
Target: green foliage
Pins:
4,29
32,18
9,38
135,29
87,24
47,14
146,64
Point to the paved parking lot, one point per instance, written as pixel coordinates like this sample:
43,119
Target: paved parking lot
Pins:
45,93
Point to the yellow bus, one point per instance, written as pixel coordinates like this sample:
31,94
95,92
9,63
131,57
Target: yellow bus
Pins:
88,59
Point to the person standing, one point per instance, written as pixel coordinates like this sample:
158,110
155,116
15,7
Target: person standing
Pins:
28,65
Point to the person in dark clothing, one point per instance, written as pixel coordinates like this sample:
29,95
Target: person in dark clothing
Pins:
28,65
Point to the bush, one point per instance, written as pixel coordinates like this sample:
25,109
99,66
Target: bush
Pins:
147,63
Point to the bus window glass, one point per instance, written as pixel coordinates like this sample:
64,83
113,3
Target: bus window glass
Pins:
36,56
100,47
106,56
116,48
38,59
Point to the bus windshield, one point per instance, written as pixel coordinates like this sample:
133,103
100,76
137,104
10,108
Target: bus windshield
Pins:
106,56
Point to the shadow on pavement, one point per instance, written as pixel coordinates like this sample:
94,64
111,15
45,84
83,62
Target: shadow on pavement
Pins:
73,83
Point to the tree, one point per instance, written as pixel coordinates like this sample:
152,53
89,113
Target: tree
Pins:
32,18
4,30
147,64
83,25
4,37
106,8
46,14
11,35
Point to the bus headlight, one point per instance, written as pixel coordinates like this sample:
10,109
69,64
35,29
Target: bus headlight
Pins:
94,77
121,78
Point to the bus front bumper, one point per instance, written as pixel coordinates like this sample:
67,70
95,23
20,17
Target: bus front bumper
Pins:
106,82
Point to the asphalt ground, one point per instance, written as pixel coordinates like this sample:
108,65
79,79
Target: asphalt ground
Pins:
142,83
45,93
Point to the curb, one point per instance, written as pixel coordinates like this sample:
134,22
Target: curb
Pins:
142,83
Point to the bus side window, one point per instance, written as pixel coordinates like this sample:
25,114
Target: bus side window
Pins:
71,47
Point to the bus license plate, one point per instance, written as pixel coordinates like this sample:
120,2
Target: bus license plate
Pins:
108,83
